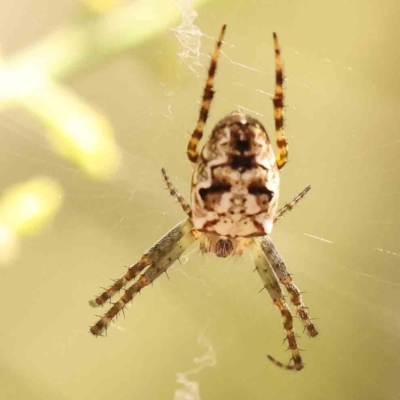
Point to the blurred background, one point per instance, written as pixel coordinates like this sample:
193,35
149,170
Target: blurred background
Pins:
95,98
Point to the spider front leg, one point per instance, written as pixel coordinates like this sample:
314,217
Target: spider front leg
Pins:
158,259
279,266
271,284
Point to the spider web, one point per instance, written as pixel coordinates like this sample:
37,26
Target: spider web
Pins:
341,242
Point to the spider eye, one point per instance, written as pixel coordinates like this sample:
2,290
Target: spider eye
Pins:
215,189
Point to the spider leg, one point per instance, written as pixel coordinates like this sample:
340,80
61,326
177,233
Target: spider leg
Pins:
205,105
289,206
278,100
132,273
158,259
280,269
271,284
175,193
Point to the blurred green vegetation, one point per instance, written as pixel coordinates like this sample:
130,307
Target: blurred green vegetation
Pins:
75,129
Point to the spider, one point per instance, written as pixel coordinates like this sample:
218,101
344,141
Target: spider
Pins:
234,198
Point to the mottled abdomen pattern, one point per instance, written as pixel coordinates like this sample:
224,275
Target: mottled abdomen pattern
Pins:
235,185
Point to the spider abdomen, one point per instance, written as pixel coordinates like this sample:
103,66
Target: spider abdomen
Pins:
235,184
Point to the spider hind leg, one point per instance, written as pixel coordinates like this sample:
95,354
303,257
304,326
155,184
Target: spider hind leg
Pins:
278,100
208,95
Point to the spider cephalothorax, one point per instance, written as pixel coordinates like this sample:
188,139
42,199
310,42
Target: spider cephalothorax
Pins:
235,184
235,190
222,246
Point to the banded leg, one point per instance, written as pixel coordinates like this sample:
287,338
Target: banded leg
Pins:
289,206
158,259
205,105
175,193
280,269
132,273
271,284
152,256
278,100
